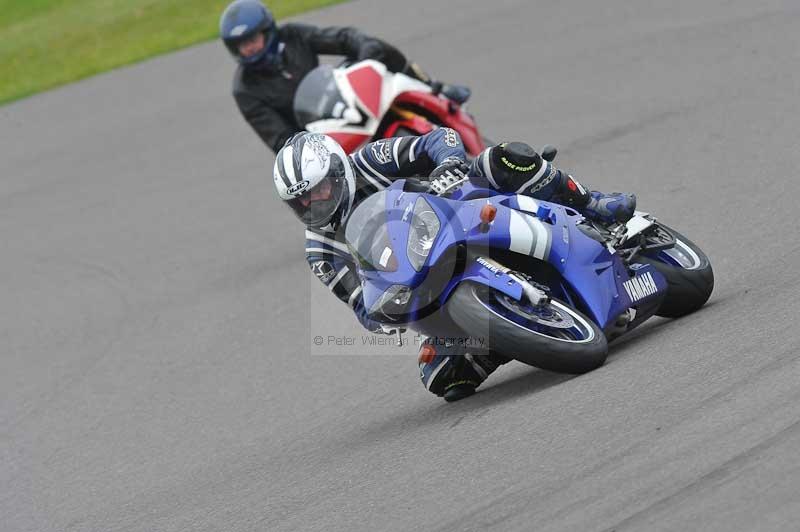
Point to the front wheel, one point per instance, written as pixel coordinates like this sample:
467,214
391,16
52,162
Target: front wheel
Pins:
688,272
554,337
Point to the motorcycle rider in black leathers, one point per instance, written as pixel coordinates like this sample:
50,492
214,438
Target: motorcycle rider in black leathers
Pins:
322,185
274,59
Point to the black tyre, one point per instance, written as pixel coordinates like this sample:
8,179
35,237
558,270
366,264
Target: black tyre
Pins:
688,272
555,337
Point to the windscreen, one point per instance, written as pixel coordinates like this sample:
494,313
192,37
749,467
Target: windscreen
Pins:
318,97
367,235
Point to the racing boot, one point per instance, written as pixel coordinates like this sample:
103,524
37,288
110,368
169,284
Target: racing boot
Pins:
516,166
448,370
609,208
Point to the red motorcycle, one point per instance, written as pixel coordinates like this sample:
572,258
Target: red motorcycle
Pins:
363,102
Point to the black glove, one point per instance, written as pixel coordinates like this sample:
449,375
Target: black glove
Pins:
450,167
457,93
448,176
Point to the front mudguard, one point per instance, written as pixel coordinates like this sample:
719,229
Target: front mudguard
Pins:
486,272
480,271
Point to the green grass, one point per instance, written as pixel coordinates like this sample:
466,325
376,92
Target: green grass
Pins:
46,43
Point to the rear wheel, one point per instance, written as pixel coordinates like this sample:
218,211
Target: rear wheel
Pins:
687,269
554,336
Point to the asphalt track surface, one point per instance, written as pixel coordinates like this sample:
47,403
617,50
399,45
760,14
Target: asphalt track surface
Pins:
158,373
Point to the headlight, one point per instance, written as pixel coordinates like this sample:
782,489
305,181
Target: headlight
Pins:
392,304
424,228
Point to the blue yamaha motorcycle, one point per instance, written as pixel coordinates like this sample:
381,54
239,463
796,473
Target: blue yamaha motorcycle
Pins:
531,280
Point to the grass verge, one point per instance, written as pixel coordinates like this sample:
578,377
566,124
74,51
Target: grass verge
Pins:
46,43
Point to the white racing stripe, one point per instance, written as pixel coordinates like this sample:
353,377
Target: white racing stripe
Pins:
354,296
310,235
541,238
395,149
527,204
328,252
344,271
528,235
378,179
487,168
521,234
412,156
288,166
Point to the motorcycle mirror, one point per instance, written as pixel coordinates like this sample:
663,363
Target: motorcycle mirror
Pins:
549,152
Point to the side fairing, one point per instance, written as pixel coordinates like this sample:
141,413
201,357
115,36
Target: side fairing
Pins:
548,232
544,231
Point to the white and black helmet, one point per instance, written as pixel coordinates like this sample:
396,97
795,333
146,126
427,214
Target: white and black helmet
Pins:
313,175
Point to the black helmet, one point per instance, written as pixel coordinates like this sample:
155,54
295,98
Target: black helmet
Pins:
240,21
314,177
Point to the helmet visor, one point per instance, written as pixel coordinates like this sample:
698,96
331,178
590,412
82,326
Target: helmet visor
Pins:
317,206
238,45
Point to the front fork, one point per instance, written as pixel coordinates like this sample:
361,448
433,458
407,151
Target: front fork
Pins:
641,302
491,273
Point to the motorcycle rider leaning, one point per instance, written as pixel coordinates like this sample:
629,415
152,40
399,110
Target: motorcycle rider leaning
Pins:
274,59
322,185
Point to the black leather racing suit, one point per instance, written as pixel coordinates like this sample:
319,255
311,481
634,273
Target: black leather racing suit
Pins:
265,95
